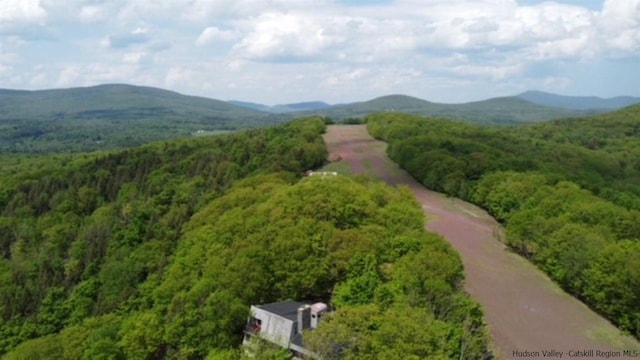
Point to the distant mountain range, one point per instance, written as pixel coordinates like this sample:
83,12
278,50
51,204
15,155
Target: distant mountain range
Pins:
116,100
509,110
578,102
117,115
506,110
283,108
409,104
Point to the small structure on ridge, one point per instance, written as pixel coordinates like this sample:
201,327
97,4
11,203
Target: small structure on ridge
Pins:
283,323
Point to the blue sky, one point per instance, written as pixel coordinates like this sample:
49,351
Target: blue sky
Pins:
279,51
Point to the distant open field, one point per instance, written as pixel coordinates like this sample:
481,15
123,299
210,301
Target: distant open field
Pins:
524,309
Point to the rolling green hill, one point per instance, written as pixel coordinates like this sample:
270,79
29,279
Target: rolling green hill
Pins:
249,105
108,116
158,252
578,102
508,110
119,115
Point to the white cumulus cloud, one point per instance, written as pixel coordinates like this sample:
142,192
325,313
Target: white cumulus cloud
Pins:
91,13
134,57
19,11
213,34
619,23
287,48
284,36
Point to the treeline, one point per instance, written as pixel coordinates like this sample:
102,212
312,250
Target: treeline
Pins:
98,134
109,117
80,239
568,192
159,251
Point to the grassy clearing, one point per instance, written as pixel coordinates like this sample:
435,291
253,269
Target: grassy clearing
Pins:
341,167
585,327
368,168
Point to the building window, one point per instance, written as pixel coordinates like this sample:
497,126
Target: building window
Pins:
255,325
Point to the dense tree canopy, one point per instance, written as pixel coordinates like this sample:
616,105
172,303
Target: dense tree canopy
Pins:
568,191
159,251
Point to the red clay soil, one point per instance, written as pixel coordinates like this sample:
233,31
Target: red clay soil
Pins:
524,309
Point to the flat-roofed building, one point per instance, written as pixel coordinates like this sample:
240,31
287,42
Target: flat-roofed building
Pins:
283,323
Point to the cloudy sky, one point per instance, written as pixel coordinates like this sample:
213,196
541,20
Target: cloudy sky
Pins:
279,51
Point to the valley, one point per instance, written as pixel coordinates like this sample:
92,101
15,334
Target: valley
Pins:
116,116
328,180
107,192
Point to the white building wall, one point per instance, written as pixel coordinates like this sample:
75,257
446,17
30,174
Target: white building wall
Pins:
274,328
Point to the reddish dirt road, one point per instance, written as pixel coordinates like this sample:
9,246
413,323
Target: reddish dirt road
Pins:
524,309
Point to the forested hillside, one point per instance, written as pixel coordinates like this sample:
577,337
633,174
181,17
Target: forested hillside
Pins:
578,102
158,252
568,191
112,116
496,111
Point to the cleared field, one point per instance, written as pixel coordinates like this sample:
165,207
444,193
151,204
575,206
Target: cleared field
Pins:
525,310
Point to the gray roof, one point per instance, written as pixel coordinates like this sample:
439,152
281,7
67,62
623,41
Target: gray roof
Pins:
287,309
